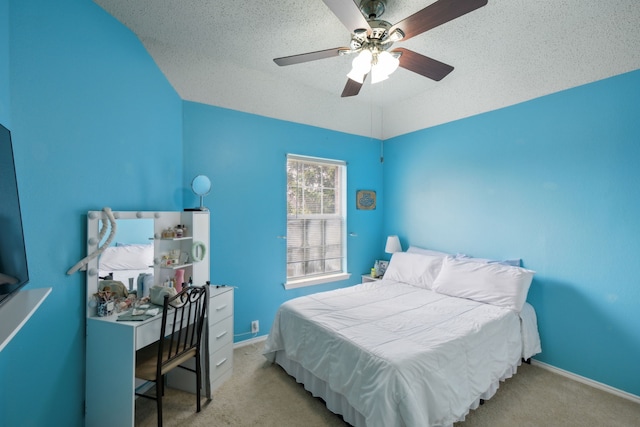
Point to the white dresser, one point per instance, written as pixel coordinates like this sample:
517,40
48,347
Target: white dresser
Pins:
219,345
217,352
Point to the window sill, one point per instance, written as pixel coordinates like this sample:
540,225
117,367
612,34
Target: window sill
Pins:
293,284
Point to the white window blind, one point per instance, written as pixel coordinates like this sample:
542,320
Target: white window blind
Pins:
316,217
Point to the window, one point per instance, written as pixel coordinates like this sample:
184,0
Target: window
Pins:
316,221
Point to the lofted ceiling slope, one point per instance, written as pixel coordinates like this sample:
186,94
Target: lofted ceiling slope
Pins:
220,52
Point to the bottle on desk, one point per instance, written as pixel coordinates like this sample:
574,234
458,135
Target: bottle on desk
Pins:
179,279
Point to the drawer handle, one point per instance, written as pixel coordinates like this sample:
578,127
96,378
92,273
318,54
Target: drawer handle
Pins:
221,362
221,335
222,307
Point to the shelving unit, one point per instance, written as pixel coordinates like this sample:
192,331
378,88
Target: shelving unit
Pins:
197,223
15,313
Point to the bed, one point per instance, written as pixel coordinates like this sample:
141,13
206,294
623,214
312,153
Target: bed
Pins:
421,347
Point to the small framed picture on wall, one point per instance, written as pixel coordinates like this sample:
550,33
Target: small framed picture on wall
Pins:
366,200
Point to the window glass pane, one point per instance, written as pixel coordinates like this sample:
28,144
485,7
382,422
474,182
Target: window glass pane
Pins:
295,254
333,231
294,200
295,269
330,176
315,230
312,175
294,189
333,265
333,251
312,201
313,267
295,229
329,201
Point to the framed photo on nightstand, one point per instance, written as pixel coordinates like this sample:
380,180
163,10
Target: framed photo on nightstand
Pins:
382,267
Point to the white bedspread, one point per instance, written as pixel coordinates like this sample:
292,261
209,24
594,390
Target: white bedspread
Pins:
401,355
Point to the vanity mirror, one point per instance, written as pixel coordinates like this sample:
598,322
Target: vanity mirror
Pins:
131,252
157,245
201,186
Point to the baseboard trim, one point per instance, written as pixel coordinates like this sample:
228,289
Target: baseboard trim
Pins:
250,341
587,381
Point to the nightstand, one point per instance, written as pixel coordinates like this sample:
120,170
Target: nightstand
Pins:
367,278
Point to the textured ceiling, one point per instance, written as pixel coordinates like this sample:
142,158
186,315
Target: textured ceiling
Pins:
220,52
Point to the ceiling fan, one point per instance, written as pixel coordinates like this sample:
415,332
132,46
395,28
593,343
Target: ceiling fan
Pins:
372,39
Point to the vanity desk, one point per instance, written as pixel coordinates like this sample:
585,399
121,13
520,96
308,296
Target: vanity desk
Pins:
110,367
111,344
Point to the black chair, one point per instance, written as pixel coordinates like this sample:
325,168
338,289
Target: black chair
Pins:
183,320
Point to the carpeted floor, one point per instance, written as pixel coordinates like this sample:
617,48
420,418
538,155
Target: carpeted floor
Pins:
261,394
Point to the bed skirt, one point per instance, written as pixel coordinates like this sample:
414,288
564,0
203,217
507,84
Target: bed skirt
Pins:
338,404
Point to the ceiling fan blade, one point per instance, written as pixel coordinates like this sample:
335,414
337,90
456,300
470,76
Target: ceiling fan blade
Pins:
423,65
310,56
352,88
349,14
435,14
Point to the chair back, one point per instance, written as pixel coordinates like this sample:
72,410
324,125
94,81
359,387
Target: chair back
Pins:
182,323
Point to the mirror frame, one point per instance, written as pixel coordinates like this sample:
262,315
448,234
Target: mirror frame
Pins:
198,182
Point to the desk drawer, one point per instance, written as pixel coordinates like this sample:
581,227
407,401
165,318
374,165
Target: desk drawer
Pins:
220,306
148,332
221,362
220,334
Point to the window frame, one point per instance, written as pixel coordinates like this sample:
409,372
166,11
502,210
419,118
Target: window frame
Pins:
341,200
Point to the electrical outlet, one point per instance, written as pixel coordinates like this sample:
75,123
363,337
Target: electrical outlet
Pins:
255,327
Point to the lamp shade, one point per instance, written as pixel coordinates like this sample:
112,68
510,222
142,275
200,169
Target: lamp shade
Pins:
384,66
387,62
361,65
393,245
377,75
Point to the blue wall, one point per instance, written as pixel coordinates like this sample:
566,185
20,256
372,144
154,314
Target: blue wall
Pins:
245,157
94,123
4,63
556,182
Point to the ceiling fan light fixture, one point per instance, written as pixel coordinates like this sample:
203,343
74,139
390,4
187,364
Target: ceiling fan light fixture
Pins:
356,76
372,8
363,60
388,62
372,36
385,65
377,75
361,65
396,36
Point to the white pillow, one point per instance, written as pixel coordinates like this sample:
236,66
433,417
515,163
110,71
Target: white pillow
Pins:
496,284
415,269
514,262
417,250
126,257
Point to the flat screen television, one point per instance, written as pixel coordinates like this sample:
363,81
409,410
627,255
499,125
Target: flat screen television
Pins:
14,272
